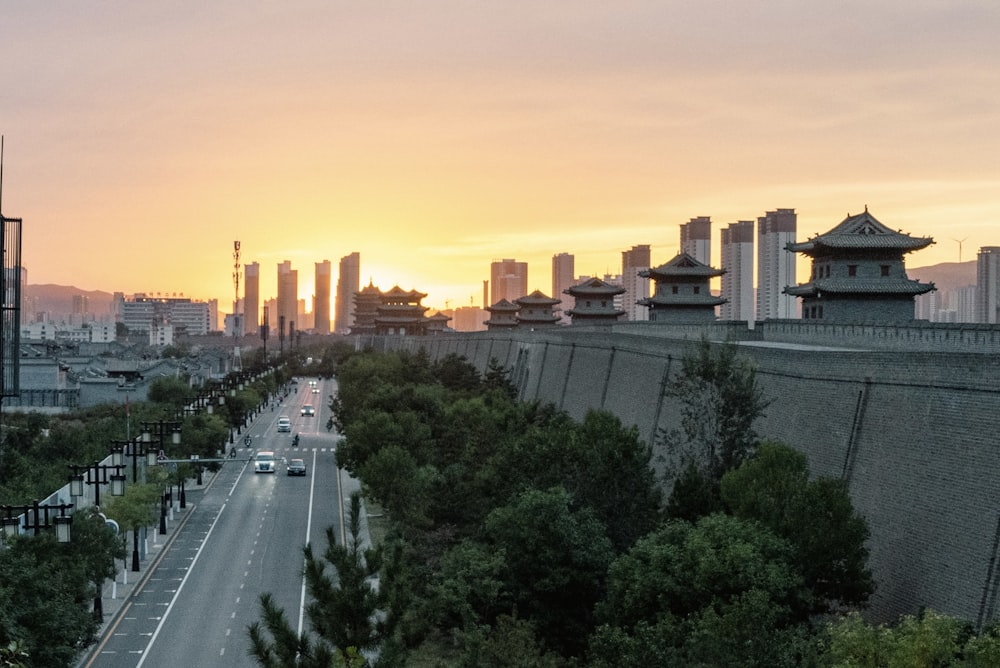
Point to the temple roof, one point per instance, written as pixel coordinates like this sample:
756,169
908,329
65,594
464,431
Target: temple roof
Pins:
873,286
537,298
682,264
660,300
398,292
503,305
594,286
860,231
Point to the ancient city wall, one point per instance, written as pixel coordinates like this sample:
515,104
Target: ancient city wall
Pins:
912,432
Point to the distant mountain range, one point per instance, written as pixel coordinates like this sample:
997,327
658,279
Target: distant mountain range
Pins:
58,299
947,275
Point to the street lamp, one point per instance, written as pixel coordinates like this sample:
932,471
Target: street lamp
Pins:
160,429
33,519
116,480
134,449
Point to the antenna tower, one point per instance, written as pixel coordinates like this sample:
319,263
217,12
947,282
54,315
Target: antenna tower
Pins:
237,320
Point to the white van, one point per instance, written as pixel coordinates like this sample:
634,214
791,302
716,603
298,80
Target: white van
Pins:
284,424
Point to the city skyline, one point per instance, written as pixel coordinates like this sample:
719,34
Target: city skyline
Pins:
140,141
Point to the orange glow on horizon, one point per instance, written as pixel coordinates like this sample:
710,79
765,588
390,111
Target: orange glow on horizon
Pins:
140,142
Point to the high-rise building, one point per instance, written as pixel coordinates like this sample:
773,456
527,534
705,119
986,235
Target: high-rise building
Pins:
563,277
469,319
775,264
696,239
508,280
988,285
634,261
737,282
251,299
348,284
321,300
287,300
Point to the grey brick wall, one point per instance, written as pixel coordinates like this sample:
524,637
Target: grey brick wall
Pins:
914,433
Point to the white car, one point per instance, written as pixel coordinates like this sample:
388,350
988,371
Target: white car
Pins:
263,462
284,424
308,411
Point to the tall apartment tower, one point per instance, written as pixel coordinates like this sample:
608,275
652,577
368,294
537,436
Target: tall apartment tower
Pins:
696,239
508,280
288,298
321,300
251,299
737,282
348,284
635,260
775,265
988,285
563,277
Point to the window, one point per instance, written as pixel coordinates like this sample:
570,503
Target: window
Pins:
885,270
673,289
852,270
697,289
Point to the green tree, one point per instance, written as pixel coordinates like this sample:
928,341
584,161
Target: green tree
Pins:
342,613
556,561
469,590
815,516
137,508
455,373
47,590
718,592
510,643
719,401
929,640
170,390
497,379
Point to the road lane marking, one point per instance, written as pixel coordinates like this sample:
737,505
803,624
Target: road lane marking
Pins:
159,627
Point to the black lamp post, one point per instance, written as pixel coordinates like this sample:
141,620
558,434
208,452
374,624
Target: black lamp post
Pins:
10,518
161,429
136,450
100,477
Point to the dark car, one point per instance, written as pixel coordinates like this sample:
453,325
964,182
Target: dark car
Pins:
296,467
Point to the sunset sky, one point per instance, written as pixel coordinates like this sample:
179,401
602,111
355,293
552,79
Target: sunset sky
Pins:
143,138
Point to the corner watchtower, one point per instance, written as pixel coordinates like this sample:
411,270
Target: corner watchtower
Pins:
858,274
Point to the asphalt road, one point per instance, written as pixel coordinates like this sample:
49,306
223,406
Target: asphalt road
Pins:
243,537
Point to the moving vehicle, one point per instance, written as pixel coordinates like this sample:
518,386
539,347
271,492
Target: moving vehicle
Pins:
263,462
308,410
296,467
284,424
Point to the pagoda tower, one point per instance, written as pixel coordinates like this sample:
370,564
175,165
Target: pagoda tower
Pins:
401,313
594,302
503,315
437,324
858,274
366,303
682,293
537,310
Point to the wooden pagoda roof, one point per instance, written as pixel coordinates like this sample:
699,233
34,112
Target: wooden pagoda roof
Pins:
594,286
859,232
847,286
537,298
682,265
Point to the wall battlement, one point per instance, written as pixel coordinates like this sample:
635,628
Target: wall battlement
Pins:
911,430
